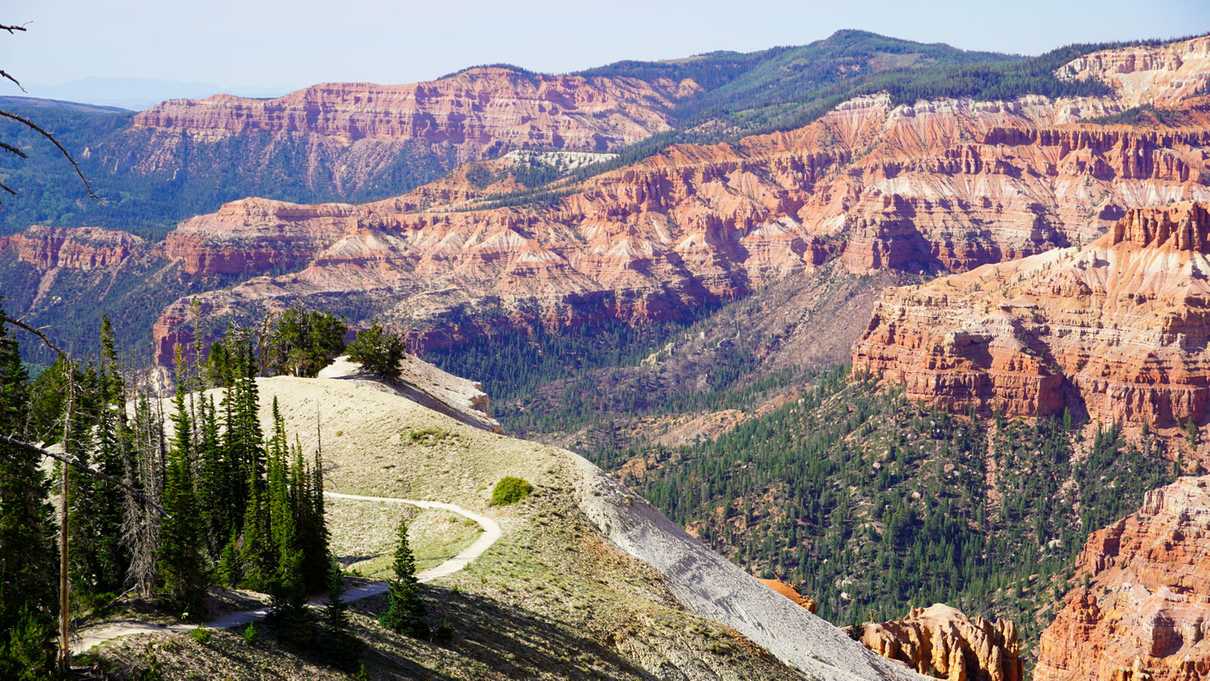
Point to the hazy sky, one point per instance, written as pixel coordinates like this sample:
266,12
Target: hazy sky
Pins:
259,44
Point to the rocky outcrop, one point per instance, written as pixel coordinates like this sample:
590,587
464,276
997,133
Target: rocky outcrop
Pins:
1143,609
790,593
942,642
78,248
1117,330
257,236
710,586
1160,75
354,139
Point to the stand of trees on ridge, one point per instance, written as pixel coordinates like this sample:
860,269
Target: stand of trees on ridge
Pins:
167,501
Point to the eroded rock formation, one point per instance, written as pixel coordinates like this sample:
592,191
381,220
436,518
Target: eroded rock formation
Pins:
1117,330
941,186
942,642
1161,75
80,248
475,111
1143,609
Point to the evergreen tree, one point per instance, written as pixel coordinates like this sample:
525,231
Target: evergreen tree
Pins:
145,474
304,341
181,535
28,564
47,397
288,588
257,563
318,555
405,611
378,351
212,485
104,505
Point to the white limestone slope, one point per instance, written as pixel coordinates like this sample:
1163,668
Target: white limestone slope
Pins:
710,586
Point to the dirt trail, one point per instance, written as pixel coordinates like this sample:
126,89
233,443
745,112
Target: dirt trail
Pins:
89,637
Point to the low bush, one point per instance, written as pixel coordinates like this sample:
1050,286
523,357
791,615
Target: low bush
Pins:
510,490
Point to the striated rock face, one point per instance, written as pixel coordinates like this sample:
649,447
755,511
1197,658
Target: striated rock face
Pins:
790,593
1162,75
477,113
1144,609
1117,330
939,186
942,642
254,236
77,248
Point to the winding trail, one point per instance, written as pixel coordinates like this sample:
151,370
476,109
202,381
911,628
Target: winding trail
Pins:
89,637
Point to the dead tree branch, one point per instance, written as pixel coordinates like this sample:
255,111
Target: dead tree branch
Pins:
64,459
63,150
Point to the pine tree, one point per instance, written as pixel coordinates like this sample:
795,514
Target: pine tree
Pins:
318,554
212,485
93,529
257,563
28,564
145,475
288,588
105,507
181,537
405,611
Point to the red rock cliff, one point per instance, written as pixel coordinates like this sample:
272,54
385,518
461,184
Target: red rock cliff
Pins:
1143,612
80,248
476,111
942,642
1118,329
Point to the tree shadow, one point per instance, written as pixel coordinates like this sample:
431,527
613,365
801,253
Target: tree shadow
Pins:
508,638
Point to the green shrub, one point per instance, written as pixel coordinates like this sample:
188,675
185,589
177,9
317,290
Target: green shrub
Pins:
250,634
378,351
426,436
510,490
26,654
201,635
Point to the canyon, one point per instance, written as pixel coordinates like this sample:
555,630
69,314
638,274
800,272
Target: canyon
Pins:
1141,607
934,187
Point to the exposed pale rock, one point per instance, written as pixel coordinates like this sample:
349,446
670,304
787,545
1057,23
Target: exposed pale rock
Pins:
1162,75
1143,611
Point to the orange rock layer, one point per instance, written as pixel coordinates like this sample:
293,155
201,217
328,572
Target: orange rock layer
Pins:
942,642
1117,330
1143,612
937,187
790,593
79,248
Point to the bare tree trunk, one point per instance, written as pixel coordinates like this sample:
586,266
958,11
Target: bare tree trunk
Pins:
64,582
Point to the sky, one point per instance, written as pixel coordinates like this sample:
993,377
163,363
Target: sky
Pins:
262,47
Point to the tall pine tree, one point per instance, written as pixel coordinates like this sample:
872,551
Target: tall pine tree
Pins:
181,536
28,565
